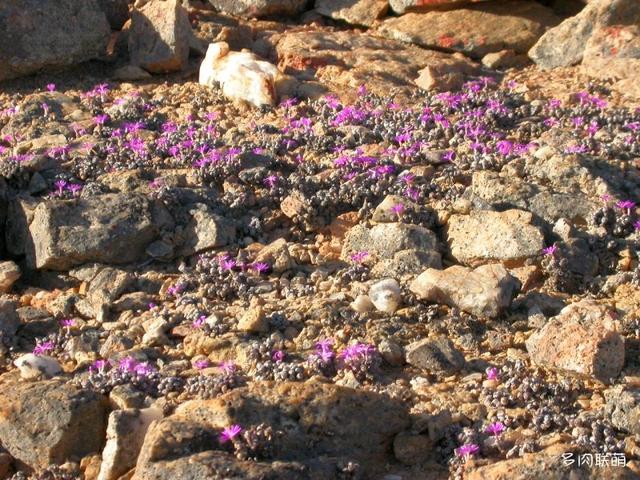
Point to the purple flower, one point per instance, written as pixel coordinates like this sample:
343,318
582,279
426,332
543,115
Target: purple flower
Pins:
627,205
74,188
278,356
636,225
228,264
51,87
45,108
67,322
201,364
199,322
271,181
229,433
127,364
398,209
43,348
358,257
260,267
101,119
99,366
493,373
504,147
144,369
465,451
228,367
60,185
550,250
362,90
496,428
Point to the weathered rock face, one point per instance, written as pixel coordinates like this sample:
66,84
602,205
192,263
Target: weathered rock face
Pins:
159,36
206,230
9,273
241,75
623,408
48,422
485,291
474,30
485,236
111,228
437,356
581,339
40,34
260,8
117,12
401,6
358,12
37,366
318,420
385,295
9,320
349,59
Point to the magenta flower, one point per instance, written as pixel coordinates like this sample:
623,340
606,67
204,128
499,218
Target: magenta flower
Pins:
636,225
229,433
398,209
74,188
67,322
359,257
101,119
626,205
228,264
228,367
271,181
144,369
467,450
362,90
496,428
51,87
493,373
201,364
199,322
260,267
60,185
127,364
99,366
550,250
278,356
43,348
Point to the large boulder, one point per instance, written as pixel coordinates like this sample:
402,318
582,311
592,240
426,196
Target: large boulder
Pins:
117,12
110,228
358,12
401,6
159,36
486,291
582,339
260,8
41,34
485,236
316,420
50,422
475,30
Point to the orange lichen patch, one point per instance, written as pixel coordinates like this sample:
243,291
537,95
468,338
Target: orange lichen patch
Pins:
447,41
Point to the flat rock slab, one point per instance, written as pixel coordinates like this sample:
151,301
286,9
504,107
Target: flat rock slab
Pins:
485,291
48,422
41,34
436,356
350,59
401,6
474,30
110,229
581,339
260,8
485,236
317,419
357,12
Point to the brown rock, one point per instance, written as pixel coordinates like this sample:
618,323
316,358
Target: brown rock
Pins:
401,6
358,12
447,73
9,273
581,339
277,255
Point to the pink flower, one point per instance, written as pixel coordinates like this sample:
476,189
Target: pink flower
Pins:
398,209
99,366
201,364
51,87
278,356
260,267
271,181
67,322
550,250
127,364
465,451
626,205
199,322
493,373
229,433
358,257
496,428
228,367
43,348
636,225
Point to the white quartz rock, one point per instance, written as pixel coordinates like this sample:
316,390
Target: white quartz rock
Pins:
37,366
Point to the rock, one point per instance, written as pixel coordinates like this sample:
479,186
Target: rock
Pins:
391,352
159,36
130,73
486,236
260,8
156,332
37,366
116,11
241,75
504,59
474,30
386,239
106,287
125,434
254,320
362,304
49,422
357,12
484,291
446,74
345,59
385,295
580,339
110,229
401,6
437,356
6,461
623,408
206,230
9,273
44,34
9,320
405,262
277,255
347,423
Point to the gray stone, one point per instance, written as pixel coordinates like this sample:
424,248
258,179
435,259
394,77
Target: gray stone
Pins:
485,291
385,295
159,36
435,355
623,408
107,286
50,422
406,262
485,236
116,11
110,229
582,339
206,230
260,8
9,273
43,34
9,320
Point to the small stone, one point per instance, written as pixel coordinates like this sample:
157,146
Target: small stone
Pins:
362,304
37,366
277,255
486,291
254,321
385,295
156,333
581,339
391,352
437,356
126,396
9,273
358,12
